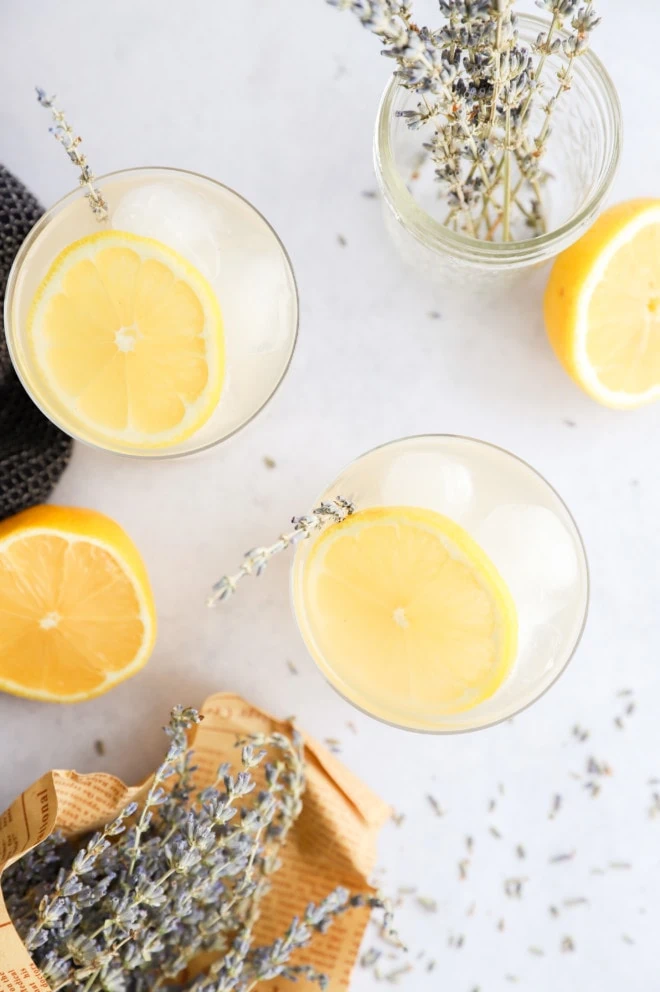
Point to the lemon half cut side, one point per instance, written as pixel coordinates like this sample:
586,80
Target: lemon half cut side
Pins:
76,610
602,306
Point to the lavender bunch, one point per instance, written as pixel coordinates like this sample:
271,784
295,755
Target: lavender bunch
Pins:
478,86
181,873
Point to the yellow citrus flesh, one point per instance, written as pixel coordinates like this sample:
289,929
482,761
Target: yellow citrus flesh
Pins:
76,609
128,339
407,615
602,306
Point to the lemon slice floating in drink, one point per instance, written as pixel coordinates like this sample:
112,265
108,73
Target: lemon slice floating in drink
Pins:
406,611
128,336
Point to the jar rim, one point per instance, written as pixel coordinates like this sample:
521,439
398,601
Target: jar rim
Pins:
434,234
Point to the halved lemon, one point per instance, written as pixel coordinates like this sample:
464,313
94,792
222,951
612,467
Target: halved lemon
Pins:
128,339
76,610
602,306
407,614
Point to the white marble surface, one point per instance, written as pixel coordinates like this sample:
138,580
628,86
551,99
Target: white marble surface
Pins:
278,99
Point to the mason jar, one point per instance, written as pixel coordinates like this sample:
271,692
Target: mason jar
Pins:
582,156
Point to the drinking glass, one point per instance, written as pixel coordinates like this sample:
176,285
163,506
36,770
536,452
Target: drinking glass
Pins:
521,524
583,155
227,242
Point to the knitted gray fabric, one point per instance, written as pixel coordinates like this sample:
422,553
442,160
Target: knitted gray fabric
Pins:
33,452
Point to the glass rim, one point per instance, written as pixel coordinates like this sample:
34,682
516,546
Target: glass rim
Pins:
437,236
154,454
449,732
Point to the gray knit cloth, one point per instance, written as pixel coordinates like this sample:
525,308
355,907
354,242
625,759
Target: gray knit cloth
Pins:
33,452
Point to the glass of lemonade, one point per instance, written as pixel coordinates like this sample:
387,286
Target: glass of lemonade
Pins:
453,596
161,330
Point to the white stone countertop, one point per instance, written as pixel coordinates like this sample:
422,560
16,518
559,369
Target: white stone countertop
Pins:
278,100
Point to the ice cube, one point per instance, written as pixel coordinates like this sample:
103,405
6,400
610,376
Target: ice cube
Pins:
420,478
177,216
534,553
543,647
260,306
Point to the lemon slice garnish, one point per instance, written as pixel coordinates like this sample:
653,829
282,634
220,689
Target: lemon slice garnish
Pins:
128,338
407,613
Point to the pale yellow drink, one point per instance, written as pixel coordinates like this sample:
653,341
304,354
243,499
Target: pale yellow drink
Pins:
160,330
450,612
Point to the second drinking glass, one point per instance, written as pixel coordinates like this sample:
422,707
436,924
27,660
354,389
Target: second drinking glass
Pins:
455,593
161,330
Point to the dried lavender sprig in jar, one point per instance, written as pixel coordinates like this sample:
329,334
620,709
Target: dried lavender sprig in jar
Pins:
64,133
477,85
255,561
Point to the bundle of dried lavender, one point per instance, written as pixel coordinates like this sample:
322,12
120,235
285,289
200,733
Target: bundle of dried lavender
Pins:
181,873
478,86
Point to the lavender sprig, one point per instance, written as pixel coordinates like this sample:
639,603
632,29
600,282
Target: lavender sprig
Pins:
64,133
256,560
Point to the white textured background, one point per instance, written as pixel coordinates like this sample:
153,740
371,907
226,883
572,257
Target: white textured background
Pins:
278,98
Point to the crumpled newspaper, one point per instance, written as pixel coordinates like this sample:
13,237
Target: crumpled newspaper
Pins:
333,843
